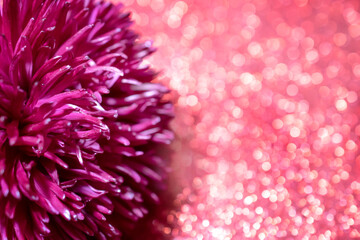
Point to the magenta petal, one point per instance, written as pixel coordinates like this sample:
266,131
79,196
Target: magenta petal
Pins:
10,208
2,165
4,187
103,209
130,172
51,63
18,231
40,222
23,180
56,159
88,190
69,44
13,132
114,73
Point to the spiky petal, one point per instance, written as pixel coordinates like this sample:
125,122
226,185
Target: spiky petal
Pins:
80,121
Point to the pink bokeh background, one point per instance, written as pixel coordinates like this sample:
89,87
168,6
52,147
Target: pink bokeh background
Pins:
267,123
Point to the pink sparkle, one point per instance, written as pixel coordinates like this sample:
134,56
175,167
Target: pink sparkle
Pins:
267,125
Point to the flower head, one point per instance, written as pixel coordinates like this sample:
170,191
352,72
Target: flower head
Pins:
80,121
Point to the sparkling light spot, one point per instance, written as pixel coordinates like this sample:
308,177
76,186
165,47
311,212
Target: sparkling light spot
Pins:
295,132
292,90
341,105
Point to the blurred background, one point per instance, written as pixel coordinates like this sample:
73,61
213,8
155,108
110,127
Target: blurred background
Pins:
267,115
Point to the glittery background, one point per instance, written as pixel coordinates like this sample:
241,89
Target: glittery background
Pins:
266,96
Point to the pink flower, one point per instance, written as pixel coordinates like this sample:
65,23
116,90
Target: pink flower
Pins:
80,121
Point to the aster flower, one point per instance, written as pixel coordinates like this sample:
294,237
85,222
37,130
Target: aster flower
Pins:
80,121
